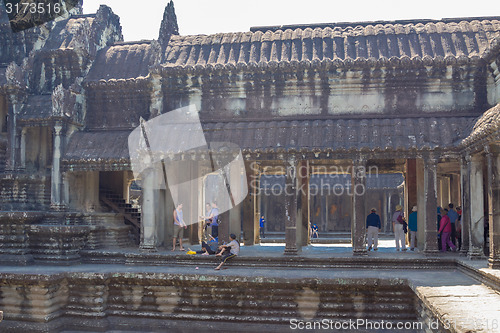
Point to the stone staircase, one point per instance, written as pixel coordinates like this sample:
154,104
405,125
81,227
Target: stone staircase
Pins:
131,214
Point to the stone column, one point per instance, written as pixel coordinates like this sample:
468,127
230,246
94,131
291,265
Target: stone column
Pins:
291,206
445,191
358,224
493,160
55,194
235,212
465,169
430,194
23,148
476,231
303,203
385,213
253,181
13,107
421,212
455,190
148,218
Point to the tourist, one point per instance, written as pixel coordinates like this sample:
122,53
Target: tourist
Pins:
453,215
209,247
179,227
262,222
314,231
439,209
398,223
412,226
214,218
373,226
445,231
229,251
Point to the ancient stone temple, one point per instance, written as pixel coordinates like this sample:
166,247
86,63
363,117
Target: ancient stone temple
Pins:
408,112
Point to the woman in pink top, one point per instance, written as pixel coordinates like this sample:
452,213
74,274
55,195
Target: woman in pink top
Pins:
445,228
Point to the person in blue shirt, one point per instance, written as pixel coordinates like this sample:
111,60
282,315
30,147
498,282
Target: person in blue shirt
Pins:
314,231
453,215
412,226
373,226
262,222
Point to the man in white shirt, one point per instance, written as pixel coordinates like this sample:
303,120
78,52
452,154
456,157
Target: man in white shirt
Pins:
229,251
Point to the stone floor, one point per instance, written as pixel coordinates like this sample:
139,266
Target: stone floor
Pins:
459,298
457,294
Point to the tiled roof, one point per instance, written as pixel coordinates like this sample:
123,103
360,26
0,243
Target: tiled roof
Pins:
486,125
274,136
384,134
65,33
123,61
99,146
37,107
419,41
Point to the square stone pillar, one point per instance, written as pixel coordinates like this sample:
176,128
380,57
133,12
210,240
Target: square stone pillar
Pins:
291,207
56,176
148,218
445,191
303,203
421,216
493,161
455,190
476,230
235,212
465,168
430,197
358,224
250,230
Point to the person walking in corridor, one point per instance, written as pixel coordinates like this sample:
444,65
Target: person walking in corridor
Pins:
373,226
412,227
397,225
445,230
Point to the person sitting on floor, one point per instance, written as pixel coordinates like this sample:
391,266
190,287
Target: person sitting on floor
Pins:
209,247
314,231
228,251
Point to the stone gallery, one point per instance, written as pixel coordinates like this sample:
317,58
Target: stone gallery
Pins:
378,113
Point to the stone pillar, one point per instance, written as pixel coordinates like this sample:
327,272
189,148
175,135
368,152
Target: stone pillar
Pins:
13,107
493,160
385,213
465,169
303,203
23,148
91,200
235,212
55,194
148,218
358,224
253,181
291,206
476,230
430,197
455,190
421,212
445,191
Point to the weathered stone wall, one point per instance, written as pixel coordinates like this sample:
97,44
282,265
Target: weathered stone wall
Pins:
494,80
118,104
139,299
26,192
387,90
